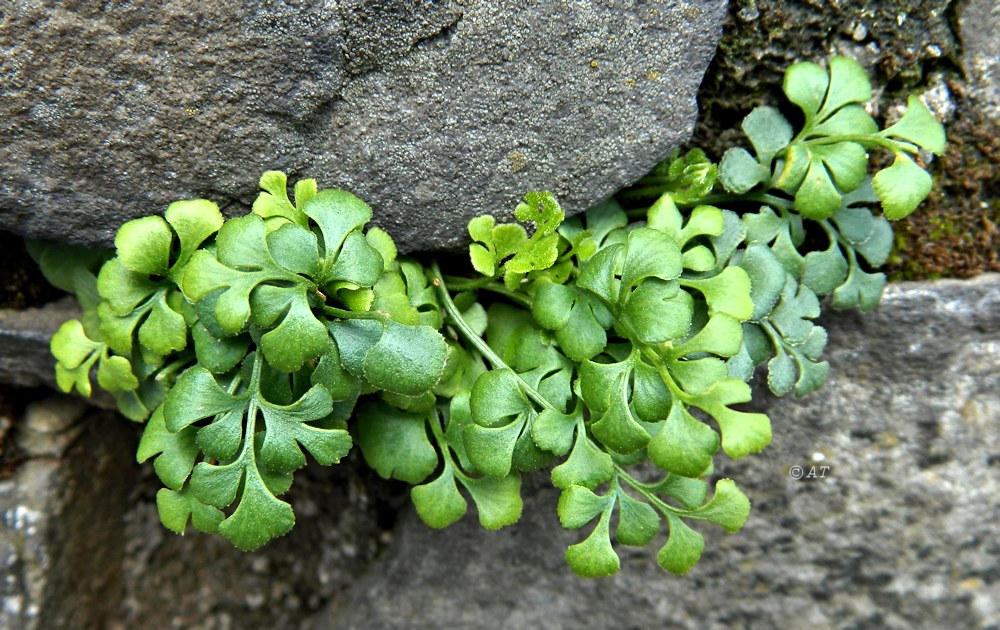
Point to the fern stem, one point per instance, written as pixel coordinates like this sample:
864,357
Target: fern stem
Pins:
477,341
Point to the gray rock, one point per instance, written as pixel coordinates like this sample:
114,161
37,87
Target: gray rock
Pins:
25,359
62,526
978,25
898,532
454,107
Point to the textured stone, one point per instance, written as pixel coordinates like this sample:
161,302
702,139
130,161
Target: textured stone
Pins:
62,528
898,533
433,112
202,582
978,25
25,359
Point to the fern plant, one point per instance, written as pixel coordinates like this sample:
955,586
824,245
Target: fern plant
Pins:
612,349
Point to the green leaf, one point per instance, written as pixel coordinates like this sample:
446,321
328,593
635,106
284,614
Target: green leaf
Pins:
649,253
901,187
616,428
175,453
684,445
218,354
395,443
742,432
143,245
727,292
805,84
847,163
258,518
918,126
848,84
739,171
767,279
579,505
406,359
595,557
497,499
164,330
194,221
638,522
851,120
862,290
176,507
75,355
657,311
780,373
575,318
553,431
287,427
729,508
683,549
541,250
114,374
439,503
823,271
768,132
817,197
274,202
586,466
298,338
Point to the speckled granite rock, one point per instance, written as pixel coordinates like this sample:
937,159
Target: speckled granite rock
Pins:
433,112
898,532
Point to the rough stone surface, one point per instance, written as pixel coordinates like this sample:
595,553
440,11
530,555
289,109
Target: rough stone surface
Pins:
899,533
112,111
344,520
62,520
25,359
978,24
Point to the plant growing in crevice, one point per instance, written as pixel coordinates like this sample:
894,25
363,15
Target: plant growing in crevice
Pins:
613,348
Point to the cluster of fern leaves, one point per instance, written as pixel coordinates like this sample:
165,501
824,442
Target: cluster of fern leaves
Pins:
610,348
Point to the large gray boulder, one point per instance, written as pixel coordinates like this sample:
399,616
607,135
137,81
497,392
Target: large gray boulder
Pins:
433,112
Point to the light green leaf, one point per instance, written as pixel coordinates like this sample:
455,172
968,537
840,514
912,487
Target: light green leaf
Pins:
729,507
595,557
727,292
143,245
901,187
579,505
586,466
395,443
194,221
918,126
805,84
497,499
683,549
848,84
